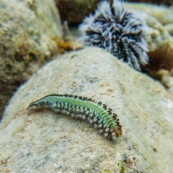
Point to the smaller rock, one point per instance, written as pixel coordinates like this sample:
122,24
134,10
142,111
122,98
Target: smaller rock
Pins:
162,13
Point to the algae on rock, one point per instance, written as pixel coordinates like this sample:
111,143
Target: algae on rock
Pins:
28,28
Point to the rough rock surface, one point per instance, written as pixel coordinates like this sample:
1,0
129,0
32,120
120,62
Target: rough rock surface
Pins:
44,141
74,11
27,29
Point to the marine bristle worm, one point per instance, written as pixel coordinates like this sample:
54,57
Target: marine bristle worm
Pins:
84,108
117,30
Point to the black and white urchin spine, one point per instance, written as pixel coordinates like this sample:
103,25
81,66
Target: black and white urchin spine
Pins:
118,31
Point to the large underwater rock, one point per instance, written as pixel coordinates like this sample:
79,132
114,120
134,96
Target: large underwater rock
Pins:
46,141
27,32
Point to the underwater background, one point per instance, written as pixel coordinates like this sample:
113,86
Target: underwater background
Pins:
98,77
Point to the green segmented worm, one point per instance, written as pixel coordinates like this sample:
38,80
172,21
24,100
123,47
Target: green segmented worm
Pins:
85,108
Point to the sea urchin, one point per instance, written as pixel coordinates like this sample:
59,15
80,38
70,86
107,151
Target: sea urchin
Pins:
118,31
